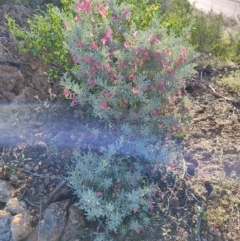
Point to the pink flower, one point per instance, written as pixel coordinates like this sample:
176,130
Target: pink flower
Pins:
107,67
93,70
175,127
93,45
132,76
179,93
102,11
146,54
104,105
170,73
154,41
137,50
164,64
171,97
135,211
161,196
147,88
111,94
66,26
135,34
124,101
114,18
99,194
158,55
183,53
172,165
87,59
103,94
78,19
138,230
66,93
90,81
122,64
155,191
167,53
75,60
160,87
127,14
150,198
135,90
155,112
119,186
79,44
126,44
104,40
84,5
111,55
151,207
74,100
177,62
109,34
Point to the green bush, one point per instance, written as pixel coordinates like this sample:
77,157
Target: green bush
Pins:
43,38
232,82
142,11
176,15
207,31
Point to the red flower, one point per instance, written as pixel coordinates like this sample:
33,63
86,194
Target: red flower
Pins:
102,11
85,5
104,105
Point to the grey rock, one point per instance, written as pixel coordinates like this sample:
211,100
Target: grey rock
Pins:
75,223
14,206
53,223
5,220
6,191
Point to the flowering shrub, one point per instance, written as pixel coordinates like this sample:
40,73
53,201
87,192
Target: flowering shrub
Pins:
113,190
123,73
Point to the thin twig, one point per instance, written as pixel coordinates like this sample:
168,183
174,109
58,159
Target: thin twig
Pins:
40,214
199,218
6,49
30,203
184,167
214,91
42,176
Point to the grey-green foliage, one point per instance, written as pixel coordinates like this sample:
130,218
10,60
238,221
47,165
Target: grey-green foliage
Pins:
115,189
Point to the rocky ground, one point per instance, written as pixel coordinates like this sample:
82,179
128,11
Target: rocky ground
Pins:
200,192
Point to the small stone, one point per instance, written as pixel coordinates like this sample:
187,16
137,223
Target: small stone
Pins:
36,168
13,179
6,191
14,206
47,180
28,167
2,173
21,226
191,169
32,189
